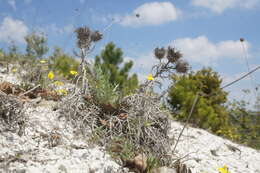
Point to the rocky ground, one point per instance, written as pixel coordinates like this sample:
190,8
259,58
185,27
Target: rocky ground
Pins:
208,152
49,145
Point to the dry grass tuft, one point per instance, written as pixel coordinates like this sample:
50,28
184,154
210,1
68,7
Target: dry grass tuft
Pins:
137,119
11,114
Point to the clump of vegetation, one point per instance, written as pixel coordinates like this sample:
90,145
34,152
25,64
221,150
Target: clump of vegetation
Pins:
42,75
246,122
63,64
11,114
135,119
101,89
124,120
36,48
210,111
9,59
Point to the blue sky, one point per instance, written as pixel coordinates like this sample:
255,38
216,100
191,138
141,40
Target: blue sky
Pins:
207,32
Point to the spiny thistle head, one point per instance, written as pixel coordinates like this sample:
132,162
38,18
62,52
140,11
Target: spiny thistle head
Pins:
83,36
182,66
96,36
159,53
173,55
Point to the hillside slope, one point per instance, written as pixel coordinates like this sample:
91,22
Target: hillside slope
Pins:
49,144
209,152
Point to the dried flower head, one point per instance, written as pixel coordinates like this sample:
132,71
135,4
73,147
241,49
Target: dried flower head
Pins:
182,66
83,36
96,36
159,52
173,55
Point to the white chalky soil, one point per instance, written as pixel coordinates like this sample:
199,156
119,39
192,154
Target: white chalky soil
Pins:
50,146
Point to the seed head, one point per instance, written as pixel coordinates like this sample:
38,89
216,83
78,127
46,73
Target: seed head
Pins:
83,36
159,52
96,36
173,55
182,66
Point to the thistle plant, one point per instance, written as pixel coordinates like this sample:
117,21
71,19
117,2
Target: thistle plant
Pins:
165,69
173,64
137,118
85,41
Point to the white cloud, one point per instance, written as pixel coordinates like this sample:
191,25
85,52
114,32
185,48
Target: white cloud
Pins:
154,13
54,29
202,51
218,6
11,29
228,78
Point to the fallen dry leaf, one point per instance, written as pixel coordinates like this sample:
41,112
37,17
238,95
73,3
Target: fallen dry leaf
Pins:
7,87
123,116
140,162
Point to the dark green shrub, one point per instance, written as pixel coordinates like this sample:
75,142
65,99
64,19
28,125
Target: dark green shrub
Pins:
210,112
246,122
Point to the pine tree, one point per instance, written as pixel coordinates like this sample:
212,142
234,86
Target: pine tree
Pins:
210,112
110,60
36,45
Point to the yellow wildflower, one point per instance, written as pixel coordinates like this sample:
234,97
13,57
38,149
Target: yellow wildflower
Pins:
219,132
150,77
62,92
14,70
50,75
224,169
73,72
58,83
42,61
